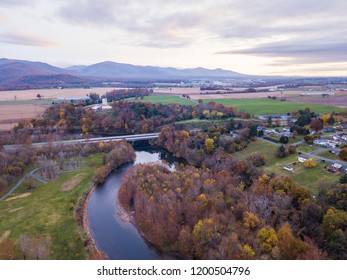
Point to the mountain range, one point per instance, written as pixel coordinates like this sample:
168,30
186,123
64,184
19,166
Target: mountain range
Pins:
28,74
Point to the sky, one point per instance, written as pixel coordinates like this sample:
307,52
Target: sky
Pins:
268,37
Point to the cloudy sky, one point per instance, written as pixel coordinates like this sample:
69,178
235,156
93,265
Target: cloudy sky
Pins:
290,37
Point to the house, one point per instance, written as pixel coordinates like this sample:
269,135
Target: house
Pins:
96,107
286,134
332,144
289,168
302,158
321,143
278,118
333,167
335,151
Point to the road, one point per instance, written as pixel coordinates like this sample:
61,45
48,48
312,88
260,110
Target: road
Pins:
135,137
30,174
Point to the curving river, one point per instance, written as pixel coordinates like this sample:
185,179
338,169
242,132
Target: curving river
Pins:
117,238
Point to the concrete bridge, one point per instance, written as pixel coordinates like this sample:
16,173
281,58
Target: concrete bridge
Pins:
129,138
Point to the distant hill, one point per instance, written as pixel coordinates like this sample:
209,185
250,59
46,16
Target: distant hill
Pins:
21,74
11,69
109,69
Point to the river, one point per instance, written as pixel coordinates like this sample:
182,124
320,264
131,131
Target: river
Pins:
117,238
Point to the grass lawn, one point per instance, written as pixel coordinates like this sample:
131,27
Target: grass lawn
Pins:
312,178
306,148
307,178
268,106
201,121
291,140
165,100
48,211
329,155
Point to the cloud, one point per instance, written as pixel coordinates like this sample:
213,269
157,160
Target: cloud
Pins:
156,23
299,51
18,38
11,3
179,23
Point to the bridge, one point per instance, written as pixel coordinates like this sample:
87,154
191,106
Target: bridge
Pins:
129,138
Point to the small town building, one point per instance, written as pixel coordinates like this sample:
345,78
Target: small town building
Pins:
335,151
302,158
283,120
333,167
84,100
105,105
322,143
288,168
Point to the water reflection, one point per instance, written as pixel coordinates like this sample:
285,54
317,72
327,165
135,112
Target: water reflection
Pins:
117,238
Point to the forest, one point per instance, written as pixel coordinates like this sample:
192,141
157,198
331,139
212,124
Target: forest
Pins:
223,208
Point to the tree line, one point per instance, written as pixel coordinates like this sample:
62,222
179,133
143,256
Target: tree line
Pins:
65,121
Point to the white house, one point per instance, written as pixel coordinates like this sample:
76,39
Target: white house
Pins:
289,168
302,158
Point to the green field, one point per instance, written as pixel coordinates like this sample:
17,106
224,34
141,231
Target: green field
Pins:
307,178
268,106
165,100
48,212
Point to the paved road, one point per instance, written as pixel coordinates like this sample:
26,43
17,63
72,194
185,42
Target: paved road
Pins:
30,174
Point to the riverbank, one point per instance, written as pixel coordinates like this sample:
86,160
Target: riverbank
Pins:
81,214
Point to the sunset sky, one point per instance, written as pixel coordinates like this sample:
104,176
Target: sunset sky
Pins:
269,37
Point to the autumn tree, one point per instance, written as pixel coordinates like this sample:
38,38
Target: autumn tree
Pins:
316,124
291,248
325,118
281,152
267,239
343,178
209,145
310,163
343,154
331,120
334,230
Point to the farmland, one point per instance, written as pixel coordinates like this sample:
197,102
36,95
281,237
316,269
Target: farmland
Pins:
254,106
269,106
17,95
21,105
12,114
